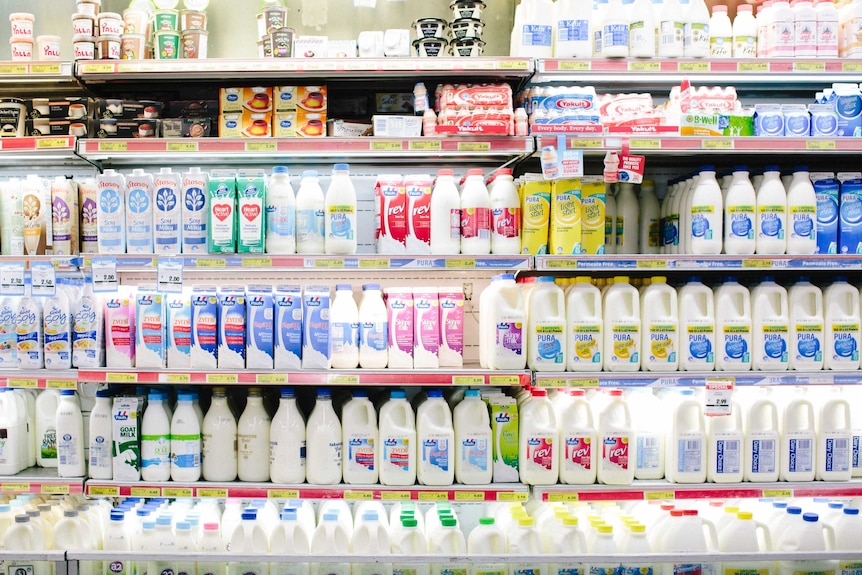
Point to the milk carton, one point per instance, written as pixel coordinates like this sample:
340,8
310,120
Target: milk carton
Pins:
221,235
88,193
259,350
231,328
195,206
399,305
426,328
139,213
850,218
504,428
592,216
418,189
120,330
390,213
179,323
88,331
847,101
535,216
57,319
565,230
288,327
150,340
204,349
826,192
250,192
451,352
8,332
126,417
167,212
110,213
315,328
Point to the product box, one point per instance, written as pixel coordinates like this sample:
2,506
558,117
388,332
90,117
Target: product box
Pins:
310,124
150,341
45,127
316,348
127,129
192,109
565,227
504,429
221,221
426,328
399,306
126,449
311,47
768,120
260,341
493,122
179,319
245,124
284,98
205,328
592,215
418,189
312,98
284,124
128,109
824,120
394,103
288,327
250,214
451,327
73,108
397,126
535,215
347,129
256,99
231,328
187,128
846,99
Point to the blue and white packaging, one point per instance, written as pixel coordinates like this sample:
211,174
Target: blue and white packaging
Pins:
231,332
316,349
179,312
850,218
150,335
205,317
847,103
288,327
826,192
260,341
797,122
768,120
824,120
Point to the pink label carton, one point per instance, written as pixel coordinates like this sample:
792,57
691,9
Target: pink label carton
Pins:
399,305
426,328
451,327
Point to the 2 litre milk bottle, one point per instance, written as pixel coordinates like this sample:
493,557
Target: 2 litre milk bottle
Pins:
697,326
622,326
473,448
71,461
771,323
724,447
539,441
585,325
219,430
686,443
398,441
310,211
546,326
660,339
842,337
253,439
615,439
185,441
475,215
761,442
806,326
578,439
360,440
502,325
798,442
445,215
435,438
733,326
834,439
323,442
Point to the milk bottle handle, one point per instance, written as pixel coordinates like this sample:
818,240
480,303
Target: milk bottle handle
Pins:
581,541
711,533
766,534
829,536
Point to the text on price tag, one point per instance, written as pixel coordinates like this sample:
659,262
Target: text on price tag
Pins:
104,274
719,396
170,275
44,279
12,278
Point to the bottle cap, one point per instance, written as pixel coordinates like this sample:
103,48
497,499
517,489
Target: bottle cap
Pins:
486,521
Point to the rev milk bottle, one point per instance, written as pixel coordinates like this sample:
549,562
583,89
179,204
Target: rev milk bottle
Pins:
472,449
622,326
615,439
167,212
842,337
686,443
706,211
546,326
435,437
360,440
771,323
740,212
806,326
725,439
139,212
579,455
801,210
733,326
539,441
660,326
761,442
798,442
475,215
219,462
505,214
310,210
397,441
195,206
834,438
771,227
287,441
71,461
280,213
584,321
697,326
339,222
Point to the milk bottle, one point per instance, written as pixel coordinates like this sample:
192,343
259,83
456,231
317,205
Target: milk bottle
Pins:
185,441
253,444
834,438
194,206
584,321
447,541
505,214
771,326
686,443
371,538
167,212
724,447
310,211
219,462
100,464
46,428
842,337
660,339
155,440
697,326
807,534
801,208
139,212
579,455
534,35
501,329
57,328
771,229
398,441
798,442
827,29
627,220
622,326
696,30
761,442
344,329
323,442
445,215
744,33
642,30
13,455
290,537
340,230
330,538
287,448
71,461
111,212
475,215
649,450
360,440
248,538
720,34
706,204
615,437
733,326
487,539
280,213
571,32
30,335
435,437
806,326
740,213
539,441
473,448
546,327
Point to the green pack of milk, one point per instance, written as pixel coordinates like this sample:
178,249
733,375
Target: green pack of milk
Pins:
250,211
504,428
221,219
126,444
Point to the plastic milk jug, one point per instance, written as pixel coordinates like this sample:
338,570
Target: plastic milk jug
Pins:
546,326
435,438
195,206
571,32
371,537
71,461
842,332
642,30
280,213
360,440
807,343
584,326
724,447
740,213
834,438
539,441
330,538
660,340
649,455
697,326
733,326
487,539
686,443
686,532
809,534
771,228
771,324
579,450
505,214
622,326
706,211
615,438
398,441
248,538
445,215
100,464
340,208
798,442
46,428
219,463
503,323
475,215
801,210
310,210
111,215
472,448
291,536
761,442
627,221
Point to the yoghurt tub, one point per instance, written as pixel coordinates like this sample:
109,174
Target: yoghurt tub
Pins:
109,47
282,42
430,27
133,46
467,9
110,24
83,25
90,7
195,44
135,22
467,47
22,25
84,47
48,47
274,18
22,49
193,20
166,20
167,45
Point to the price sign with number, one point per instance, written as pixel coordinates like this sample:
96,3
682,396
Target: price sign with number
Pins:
12,278
170,275
105,277
719,396
44,279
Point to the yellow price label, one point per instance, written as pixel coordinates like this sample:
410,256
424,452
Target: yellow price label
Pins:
851,66
433,496
210,492
469,496
553,382
176,491
588,143
271,378
55,489
15,487
51,143
146,492
329,263
659,495
103,490
359,495
504,380
719,144
182,146
395,495
374,264
585,382
342,379
13,69
782,493
211,263
474,146
649,144
22,383
222,378
693,67
565,264
386,146
45,68
757,264
574,66
282,493
563,497
95,68
512,65
820,144
461,263
809,66
119,377
644,66
425,146
652,264
61,384
257,262
512,496
261,147
752,67
468,380
113,146
177,377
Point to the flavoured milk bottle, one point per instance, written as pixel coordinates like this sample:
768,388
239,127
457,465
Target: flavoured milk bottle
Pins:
622,326
195,206
686,443
761,442
740,213
579,450
472,449
546,326
834,438
539,441
584,325
724,447
615,438
806,326
697,326
733,326
505,214
801,210
501,328
445,215
323,442
344,329
771,323
360,440
771,228
660,339
373,329
398,441
435,438
340,230
310,210
287,443
798,442
842,337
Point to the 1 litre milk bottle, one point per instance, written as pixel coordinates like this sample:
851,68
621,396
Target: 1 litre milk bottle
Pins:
806,326
505,214
310,210
219,462
584,320
475,215
323,442
720,34
185,441
253,439
771,323
280,213
801,211
435,438
579,455
771,229
842,337
360,440
686,443
706,210
398,441
697,327
539,441
155,440
100,463
761,442
834,438
167,212
740,212
724,447
546,326
340,208
798,442
445,215
287,443
660,339
622,326
472,450
615,439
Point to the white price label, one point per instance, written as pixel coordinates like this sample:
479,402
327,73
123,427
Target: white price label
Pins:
719,396
44,279
105,277
171,275
12,278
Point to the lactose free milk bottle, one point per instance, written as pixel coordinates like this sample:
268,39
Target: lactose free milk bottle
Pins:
584,321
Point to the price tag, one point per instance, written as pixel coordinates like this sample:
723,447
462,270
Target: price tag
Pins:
649,144
12,278
553,382
45,68
103,490
584,382
468,380
55,489
474,146
176,491
820,144
113,146
395,495
359,495
105,278
261,147
433,496
386,146
659,495
693,67
271,378
512,496
51,143
461,263
209,492
170,275
469,496
719,395
809,66
61,384
211,263
283,494
504,380
182,146
719,144
778,493
512,65
574,66
44,279
639,66
175,378
590,143
652,264
146,492
759,264
375,264
22,383
222,378
563,497
257,262
342,379
425,146
329,263
121,377
752,67
13,69
16,487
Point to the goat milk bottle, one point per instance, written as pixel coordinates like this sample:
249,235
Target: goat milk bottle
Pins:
195,206
139,213
167,214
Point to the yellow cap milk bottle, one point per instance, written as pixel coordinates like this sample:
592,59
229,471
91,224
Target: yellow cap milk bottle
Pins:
111,212
539,451
360,440
503,325
435,437
798,442
706,213
616,437
584,325
697,326
253,437
219,431
807,343
744,534
546,326
445,215
660,339
194,203
842,339
771,226
139,212
686,443
834,438
724,447
578,442
397,441
733,326
622,326
771,326
473,444
340,229
761,442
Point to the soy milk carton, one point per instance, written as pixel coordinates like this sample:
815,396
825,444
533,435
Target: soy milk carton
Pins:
593,210
139,213
221,234
179,327
315,342
150,340
565,229
8,332
250,215
126,449
426,328
231,328
120,330
167,212
204,348
260,342
399,305
288,327
505,431
57,324
110,213
451,352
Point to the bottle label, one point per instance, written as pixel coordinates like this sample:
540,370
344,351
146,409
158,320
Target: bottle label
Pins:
573,31
671,230
455,224
625,338
476,223
396,452
741,222
221,231
763,455
621,230
805,37
615,450
696,36
781,39
536,35
585,342
802,222
701,343
615,35
549,347
309,225
373,335
857,440
281,221
186,451
166,218
801,453
578,452
661,343
360,451
775,343
343,335
648,453
435,452
837,454
701,219
510,336
745,47
827,39
689,455
641,38
809,345
671,38
194,219
474,452
737,343
155,450
341,221
728,455
720,47
506,222
653,234
540,451
771,222
48,447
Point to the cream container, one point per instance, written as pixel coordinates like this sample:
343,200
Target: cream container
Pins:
467,28
109,47
274,18
461,9
110,24
193,20
22,49
467,47
431,47
84,47
194,44
166,20
430,27
22,25
135,22
83,25
90,7
48,47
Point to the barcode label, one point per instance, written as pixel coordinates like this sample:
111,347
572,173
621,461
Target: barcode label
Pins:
731,445
767,445
841,444
692,445
763,456
649,442
838,454
804,444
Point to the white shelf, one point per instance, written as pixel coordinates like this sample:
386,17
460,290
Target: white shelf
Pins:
660,263
607,379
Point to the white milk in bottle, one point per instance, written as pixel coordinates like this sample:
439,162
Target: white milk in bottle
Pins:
720,34
397,441
615,439
323,442
686,443
310,210
539,441
627,222
744,33
194,206
584,325
219,429
801,209
139,212
185,441
706,210
740,212
834,438
46,428
155,440
475,215
696,30
253,438
111,212
280,213
435,438
571,31
798,442
697,326
472,450
724,447
505,214
502,327
771,324
650,219
660,339
71,461
807,344
546,326
649,451
287,441
167,212
761,442
642,30
622,326
445,215
100,463
733,326
842,332
340,230
771,227
360,440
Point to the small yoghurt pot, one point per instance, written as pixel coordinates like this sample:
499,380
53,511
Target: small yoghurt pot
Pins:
274,18
195,44
22,25
109,47
282,42
83,25
133,46
22,49
167,45
467,28
431,47
264,47
430,28
193,20
467,9
135,21
84,47
166,20
48,47
467,47
110,24
89,7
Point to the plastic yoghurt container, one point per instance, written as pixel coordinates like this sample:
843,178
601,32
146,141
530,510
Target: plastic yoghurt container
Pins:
48,47
22,49
22,25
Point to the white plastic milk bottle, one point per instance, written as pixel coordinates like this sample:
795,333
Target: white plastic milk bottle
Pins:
622,326
340,229
505,214
475,215
806,326
706,213
360,440
798,442
771,228
697,326
733,326
649,450
280,213
445,215
686,443
744,33
546,326
539,441
71,461
472,450
185,441
740,213
771,326
397,441
801,207
435,438
761,442
323,442
287,447
310,210
502,325
578,439
724,447
585,325
660,340
615,439
834,438
842,331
